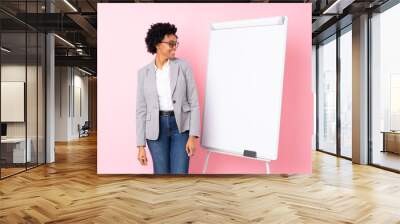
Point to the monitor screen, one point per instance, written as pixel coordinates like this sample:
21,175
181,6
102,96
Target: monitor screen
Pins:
3,129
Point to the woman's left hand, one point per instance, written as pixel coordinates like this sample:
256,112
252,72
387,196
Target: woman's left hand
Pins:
190,145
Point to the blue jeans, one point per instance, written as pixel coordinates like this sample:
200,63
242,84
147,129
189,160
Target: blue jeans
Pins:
168,151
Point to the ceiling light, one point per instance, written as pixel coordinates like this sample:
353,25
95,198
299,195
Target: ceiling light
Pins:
70,5
64,40
5,49
338,6
84,71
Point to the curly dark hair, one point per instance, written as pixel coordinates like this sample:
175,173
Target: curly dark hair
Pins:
156,34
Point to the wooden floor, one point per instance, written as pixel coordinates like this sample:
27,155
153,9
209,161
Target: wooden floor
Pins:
387,159
5,172
70,191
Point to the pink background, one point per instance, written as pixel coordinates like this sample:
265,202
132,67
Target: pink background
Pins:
122,51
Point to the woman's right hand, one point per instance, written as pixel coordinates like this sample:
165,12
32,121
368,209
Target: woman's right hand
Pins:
142,156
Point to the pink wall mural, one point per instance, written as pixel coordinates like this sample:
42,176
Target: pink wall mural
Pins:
122,52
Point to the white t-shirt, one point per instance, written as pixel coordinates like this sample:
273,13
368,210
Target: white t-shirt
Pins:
163,87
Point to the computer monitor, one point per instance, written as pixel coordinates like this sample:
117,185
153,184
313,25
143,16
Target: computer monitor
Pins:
3,129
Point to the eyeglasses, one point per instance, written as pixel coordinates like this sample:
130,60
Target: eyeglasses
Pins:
171,43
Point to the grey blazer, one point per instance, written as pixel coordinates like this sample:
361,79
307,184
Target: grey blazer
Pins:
184,99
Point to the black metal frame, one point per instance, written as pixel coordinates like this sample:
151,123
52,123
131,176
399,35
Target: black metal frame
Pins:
369,98
338,76
316,97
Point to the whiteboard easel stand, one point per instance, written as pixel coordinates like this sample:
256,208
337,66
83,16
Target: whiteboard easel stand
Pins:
218,131
208,156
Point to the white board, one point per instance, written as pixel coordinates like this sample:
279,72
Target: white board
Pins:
12,101
244,84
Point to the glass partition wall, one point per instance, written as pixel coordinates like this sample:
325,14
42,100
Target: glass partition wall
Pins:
22,77
385,90
327,95
334,94
334,91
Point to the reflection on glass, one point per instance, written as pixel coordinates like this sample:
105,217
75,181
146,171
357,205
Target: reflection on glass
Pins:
395,102
327,97
385,89
346,94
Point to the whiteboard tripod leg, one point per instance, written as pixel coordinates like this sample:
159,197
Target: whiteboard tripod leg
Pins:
267,166
206,162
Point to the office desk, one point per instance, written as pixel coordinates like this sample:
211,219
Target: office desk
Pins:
13,150
391,141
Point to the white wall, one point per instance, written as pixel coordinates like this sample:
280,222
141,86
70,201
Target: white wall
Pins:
70,83
15,72
80,83
61,103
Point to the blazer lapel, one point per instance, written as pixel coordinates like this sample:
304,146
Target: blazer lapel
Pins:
151,74
173,72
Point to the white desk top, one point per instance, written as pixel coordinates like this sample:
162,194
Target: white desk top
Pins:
14,140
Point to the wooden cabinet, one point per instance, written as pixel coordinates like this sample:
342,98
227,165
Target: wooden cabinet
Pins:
391,142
